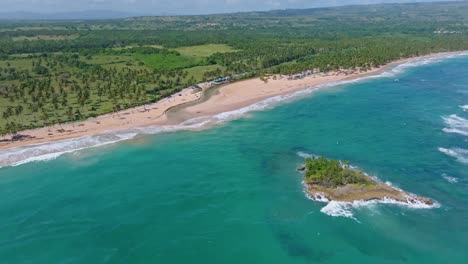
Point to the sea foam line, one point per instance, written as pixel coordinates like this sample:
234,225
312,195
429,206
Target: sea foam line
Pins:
456,125
460,154
449,178
306,155
53,150
345,209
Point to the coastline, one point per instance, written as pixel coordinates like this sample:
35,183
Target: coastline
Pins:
229,97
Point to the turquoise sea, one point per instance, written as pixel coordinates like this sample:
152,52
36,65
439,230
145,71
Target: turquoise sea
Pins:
230,193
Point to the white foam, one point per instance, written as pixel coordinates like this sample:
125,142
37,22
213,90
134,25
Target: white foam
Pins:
416,62
460,154
306,155
456,124
345,209
450,179
464,107
269,103
52,150
455,131
338,209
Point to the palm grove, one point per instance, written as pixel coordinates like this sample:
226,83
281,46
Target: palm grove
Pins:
56,72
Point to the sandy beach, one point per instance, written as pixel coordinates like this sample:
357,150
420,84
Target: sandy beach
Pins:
229,97
150,114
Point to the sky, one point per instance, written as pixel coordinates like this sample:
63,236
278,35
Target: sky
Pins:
158,7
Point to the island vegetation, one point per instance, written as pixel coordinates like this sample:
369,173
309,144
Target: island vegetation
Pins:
333,173
334,180
52,72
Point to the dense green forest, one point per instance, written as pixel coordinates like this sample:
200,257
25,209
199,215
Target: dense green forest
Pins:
332,173
59,71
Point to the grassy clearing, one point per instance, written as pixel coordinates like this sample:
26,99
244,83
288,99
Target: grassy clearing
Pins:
199,71
166,61
19,63
30,28
108,59
134,46
204,50
193,57
118,62
45,37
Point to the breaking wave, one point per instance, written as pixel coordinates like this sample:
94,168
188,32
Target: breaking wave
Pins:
456,124
449,178
345,209
306,155
460,154
416,62
52,150
464,107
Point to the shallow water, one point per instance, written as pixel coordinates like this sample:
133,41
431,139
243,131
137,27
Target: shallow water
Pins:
230,194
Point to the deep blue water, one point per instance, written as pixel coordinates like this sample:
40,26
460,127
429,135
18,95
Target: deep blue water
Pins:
230,194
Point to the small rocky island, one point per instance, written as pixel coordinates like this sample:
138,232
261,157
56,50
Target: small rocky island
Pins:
333,180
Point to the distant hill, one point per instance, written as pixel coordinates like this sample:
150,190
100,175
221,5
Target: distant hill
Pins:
289,10
79,15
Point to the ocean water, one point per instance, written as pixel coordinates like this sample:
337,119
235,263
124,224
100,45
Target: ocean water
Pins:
230,193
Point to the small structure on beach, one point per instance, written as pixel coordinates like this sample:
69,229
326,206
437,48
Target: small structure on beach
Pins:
301,75
221,80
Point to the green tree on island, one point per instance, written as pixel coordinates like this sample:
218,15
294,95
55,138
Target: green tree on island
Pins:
332,173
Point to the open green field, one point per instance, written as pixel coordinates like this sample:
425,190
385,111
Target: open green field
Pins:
133,46
115,61
199,72
46,37
204,50
18,64
167,61
186,57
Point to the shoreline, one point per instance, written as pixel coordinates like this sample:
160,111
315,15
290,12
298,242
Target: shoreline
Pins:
229,97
